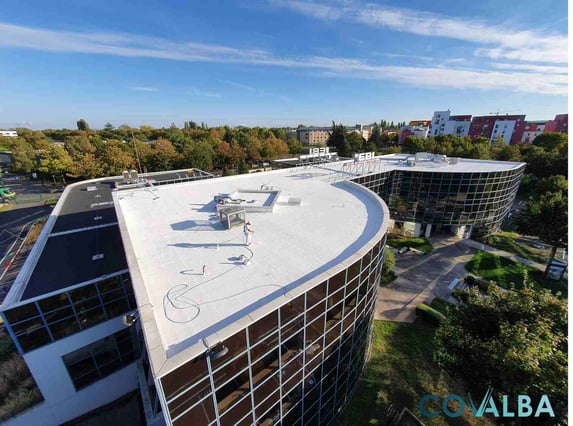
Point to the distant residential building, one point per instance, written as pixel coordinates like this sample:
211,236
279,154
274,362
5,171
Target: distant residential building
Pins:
319,135
558,124
416,128
313,135
508,127
445,124
532,130
9,133
364,131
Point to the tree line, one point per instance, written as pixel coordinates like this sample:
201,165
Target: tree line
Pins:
85,153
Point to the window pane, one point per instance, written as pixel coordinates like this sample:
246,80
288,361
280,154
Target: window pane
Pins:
91,317
116,308
34,339
83,293
21,313
64,328
54,302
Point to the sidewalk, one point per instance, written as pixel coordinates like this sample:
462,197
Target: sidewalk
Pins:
421,278
480,246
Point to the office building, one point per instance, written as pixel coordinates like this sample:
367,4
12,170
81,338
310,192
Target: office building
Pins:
218,332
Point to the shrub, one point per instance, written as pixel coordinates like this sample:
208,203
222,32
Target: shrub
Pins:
441,305
481,284
429,314
461,295
389,262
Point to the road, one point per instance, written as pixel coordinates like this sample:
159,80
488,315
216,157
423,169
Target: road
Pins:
14,225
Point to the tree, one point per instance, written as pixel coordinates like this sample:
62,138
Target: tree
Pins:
543,163
337,139
162,156
86,166
553,184
199,155
83,125
55,162
294,146
513,341
115,157
551,141
546,218
242,167
509,153
356,142
413,144
23,156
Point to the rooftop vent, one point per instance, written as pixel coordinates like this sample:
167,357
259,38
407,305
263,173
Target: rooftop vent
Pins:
218,352
91,188
130,319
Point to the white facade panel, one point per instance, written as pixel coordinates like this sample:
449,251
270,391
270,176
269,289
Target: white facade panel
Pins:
61,401
503,128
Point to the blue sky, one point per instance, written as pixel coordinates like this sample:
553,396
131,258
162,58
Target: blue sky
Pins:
278,63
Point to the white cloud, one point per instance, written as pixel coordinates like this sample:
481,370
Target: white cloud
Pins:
144,89
239,85
525,45
203,93
132,45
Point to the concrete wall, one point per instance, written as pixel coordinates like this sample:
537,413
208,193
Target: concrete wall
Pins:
61,401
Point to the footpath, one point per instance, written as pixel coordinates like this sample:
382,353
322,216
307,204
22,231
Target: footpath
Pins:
437,274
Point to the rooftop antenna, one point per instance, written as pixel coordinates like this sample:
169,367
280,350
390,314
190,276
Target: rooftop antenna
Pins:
136,153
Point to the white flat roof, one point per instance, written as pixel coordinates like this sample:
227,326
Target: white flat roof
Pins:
170,232
386,163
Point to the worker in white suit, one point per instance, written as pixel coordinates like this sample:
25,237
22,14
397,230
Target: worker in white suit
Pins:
248,231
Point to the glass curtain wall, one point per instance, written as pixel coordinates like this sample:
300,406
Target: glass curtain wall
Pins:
297,364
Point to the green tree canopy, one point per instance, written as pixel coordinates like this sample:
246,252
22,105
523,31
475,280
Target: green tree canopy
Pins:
55,161
83,125
546,218
513,341
551,141
337,139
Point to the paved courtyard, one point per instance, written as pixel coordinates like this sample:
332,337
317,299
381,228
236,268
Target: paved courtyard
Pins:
421,278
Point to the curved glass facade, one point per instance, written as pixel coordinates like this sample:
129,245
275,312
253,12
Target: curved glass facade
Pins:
481,199
297,365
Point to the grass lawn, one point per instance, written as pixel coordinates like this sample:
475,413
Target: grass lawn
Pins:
418,243
401,370
507,241
387,279
504,271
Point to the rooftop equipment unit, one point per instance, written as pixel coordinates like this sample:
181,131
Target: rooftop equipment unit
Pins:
133,174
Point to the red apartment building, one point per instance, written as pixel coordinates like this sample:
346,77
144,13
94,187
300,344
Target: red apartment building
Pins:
510,127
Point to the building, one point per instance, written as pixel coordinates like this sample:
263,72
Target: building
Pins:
445,124
64,310
558,124
416,128
318,136
148,284
9,133
508,127
531,130
313,135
